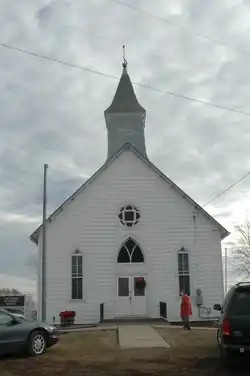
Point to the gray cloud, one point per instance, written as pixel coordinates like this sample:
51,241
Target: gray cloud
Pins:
54,114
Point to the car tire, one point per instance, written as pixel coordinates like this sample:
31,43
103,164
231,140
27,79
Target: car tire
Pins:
228,357
225,354
37,343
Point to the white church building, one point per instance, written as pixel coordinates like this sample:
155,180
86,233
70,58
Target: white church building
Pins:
129,239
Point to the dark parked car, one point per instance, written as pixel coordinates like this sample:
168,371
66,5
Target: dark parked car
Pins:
20,334
233,335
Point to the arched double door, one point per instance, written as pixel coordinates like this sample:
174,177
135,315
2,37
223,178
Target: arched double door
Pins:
131,281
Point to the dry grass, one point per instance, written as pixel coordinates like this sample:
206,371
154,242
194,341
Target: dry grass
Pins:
97,353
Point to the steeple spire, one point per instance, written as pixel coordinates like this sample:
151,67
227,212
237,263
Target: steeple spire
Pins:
125,117
125,63
125,100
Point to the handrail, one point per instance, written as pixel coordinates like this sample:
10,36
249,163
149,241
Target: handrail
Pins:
209,310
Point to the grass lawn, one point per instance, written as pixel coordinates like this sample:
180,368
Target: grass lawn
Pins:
96,353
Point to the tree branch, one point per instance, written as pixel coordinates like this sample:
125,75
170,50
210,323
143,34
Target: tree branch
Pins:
241,252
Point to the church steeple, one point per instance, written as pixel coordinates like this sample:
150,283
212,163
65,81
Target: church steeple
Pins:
125,118
125,99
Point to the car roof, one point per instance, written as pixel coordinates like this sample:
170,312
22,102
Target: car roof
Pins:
242,284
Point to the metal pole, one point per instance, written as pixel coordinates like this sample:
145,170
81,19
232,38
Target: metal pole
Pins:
225,271
44,244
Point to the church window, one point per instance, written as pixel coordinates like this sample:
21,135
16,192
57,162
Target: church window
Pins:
130,252
183,270
129,215
76,276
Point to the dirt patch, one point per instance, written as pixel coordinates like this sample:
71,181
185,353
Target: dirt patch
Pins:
96,353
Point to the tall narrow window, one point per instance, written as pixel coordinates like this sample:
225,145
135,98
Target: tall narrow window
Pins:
76,276
183,271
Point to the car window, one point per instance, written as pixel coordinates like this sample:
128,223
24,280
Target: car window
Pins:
227,298
240,305
4,318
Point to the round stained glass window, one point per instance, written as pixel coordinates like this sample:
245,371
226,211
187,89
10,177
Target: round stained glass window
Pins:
129,215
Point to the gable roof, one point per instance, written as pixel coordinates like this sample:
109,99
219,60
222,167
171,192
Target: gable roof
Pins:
224,233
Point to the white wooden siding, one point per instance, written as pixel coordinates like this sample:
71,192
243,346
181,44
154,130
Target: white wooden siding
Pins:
90,223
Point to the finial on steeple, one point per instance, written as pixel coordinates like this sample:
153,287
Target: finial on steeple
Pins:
125,63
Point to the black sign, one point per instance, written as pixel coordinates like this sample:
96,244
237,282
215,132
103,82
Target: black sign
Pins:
12,301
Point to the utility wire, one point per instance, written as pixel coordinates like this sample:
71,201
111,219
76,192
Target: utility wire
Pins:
56,60
227,189
185,28
192,99
117,78
144,86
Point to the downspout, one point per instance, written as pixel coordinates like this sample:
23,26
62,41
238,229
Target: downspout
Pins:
194,246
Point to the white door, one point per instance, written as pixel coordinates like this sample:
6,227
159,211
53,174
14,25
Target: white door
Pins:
131,299
123,306
138,296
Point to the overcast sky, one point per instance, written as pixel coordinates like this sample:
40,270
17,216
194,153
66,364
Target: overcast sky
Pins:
53,114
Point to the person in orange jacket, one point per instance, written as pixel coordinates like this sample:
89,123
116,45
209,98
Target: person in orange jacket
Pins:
185,310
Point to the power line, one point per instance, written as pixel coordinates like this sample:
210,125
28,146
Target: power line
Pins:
185,28
117,78
56,60
227,189
192,99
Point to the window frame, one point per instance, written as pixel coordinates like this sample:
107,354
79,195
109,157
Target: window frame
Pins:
76,276
185,273
136,291
122,221
187,288
118,286
132,253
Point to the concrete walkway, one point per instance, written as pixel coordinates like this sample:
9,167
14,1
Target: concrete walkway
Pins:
103,327
180,327
132,336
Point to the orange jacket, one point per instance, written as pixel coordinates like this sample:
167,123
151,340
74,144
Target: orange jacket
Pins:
186,308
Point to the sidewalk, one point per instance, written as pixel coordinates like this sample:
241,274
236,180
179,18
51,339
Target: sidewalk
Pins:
180,327
141,336
125,325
